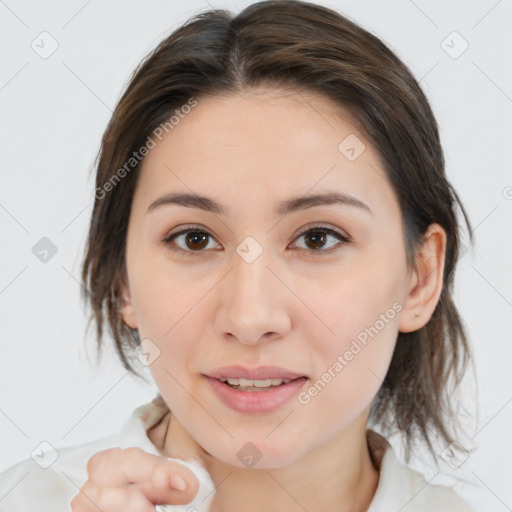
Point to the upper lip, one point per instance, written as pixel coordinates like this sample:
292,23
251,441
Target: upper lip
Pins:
257,373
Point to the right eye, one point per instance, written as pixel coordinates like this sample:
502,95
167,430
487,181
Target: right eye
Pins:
192,240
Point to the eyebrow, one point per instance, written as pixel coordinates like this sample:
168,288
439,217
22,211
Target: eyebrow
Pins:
286,207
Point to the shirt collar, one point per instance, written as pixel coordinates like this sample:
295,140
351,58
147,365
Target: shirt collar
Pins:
134,431
392,489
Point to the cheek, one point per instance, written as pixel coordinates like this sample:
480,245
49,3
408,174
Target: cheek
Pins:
172,371
165,296
352,357
358,355
170,314
362,306
349,376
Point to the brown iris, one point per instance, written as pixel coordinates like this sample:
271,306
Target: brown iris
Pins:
318,238
196,237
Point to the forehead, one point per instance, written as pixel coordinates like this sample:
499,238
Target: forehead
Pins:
265,142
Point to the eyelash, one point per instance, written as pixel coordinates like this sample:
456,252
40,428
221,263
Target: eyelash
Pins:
316,228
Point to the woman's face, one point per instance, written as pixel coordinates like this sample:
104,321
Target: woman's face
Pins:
262,283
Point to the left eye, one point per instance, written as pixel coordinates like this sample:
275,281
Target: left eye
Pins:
194,241
319,235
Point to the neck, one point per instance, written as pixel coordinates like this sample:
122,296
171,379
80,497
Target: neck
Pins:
338,475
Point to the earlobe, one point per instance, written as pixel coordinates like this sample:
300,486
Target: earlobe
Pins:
128,311
426,282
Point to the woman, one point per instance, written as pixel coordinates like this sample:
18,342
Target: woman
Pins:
275,237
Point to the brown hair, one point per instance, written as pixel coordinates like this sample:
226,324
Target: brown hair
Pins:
294,44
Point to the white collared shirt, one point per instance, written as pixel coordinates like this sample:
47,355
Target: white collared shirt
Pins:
50,484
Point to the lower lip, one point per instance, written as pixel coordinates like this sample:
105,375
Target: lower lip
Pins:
256,401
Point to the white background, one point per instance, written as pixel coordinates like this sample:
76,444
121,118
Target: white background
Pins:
53,113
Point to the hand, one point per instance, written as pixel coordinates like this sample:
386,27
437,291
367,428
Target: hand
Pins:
133,480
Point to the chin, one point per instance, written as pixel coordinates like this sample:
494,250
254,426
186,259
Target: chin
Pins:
249,454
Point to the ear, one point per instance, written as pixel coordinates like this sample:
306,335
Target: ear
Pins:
127,310
426,282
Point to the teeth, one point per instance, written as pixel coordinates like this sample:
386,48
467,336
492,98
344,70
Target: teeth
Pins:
255,383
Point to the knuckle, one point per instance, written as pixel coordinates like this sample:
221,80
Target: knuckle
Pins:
75,503
98,461
132,452
160,475
91,491
140,503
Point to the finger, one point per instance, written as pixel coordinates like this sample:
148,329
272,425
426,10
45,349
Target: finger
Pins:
96,498
157,493
116,467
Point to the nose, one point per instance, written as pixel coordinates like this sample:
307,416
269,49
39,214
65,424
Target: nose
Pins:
252,302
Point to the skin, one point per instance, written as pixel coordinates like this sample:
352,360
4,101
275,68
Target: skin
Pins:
289,307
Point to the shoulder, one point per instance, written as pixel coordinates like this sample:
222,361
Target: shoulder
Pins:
403,488
427,496
50,479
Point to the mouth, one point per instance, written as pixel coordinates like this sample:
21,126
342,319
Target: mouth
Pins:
258,374
256,396
256,385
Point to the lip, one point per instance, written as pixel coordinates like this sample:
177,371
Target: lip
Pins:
256,402
257,373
